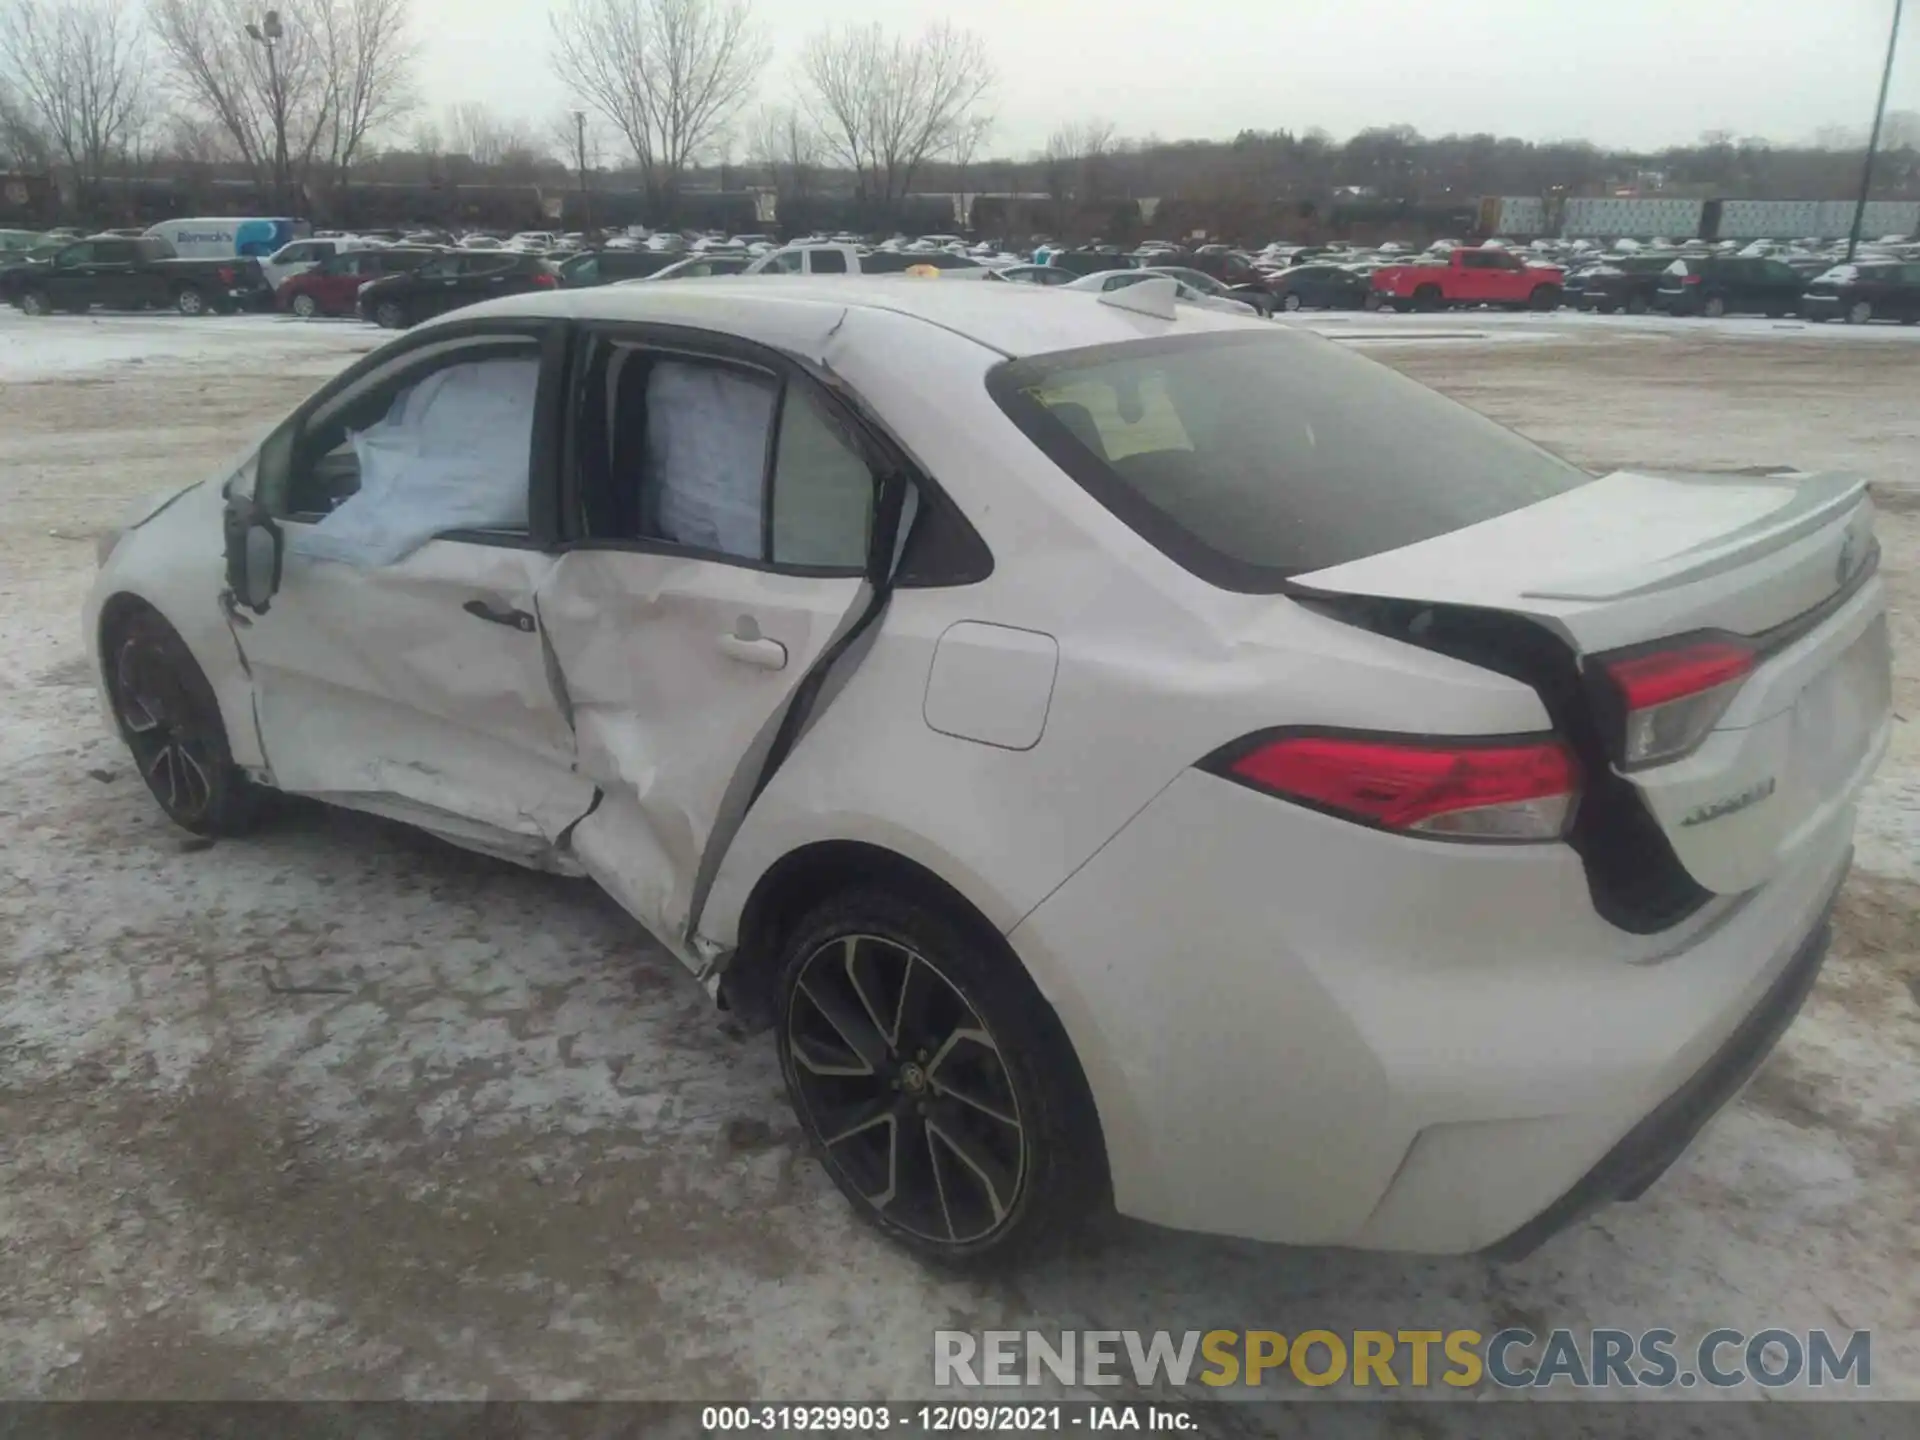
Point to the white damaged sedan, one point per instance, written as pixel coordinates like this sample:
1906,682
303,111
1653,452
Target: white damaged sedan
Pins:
1125,754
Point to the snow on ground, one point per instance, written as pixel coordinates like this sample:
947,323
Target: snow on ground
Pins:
340,1112
82,344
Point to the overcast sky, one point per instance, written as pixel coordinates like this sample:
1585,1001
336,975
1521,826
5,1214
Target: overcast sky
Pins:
1633,73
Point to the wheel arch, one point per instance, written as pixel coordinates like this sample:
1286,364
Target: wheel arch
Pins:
803,878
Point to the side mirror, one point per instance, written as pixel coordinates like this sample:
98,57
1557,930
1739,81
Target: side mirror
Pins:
261,577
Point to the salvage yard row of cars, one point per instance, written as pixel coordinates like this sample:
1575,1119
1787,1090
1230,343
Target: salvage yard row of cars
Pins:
399,280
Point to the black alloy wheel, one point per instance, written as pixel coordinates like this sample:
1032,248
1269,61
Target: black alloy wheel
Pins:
171,723
934,1086
906,1090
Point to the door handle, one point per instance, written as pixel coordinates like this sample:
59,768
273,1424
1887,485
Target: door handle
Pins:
754,649
516,619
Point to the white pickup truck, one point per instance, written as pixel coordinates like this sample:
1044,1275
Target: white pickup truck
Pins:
852,260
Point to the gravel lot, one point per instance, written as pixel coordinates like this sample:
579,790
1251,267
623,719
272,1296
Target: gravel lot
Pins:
340,1112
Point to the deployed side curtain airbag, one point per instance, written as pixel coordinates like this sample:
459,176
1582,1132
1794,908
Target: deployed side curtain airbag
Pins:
706,455
451,454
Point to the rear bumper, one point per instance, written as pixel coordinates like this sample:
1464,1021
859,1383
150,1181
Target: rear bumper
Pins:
1303,1031
1645,1153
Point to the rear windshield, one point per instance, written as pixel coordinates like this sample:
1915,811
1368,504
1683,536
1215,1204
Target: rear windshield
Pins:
1250,458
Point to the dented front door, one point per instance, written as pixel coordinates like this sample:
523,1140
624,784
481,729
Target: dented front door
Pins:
418,689
398,663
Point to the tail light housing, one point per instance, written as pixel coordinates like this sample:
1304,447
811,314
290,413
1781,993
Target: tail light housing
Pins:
224,275
545,280
1666,698
1689,279
1501,789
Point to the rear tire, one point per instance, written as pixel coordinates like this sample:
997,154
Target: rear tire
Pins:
1544,297
390,315
933,1083
305,306
1427,298
1289,302
189,301
1860,312
171,724
1713,307
1637,305
36,303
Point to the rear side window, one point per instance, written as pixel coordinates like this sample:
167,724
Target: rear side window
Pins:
1249,459
828,262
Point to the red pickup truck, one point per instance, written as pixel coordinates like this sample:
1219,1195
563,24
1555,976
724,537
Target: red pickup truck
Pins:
1468,277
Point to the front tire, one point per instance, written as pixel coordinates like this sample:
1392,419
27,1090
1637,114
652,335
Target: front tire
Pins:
1860,312
36,303
1289,302
920,1061
390,315
171,723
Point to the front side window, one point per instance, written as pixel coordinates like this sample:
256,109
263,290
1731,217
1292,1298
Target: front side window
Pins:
1252,459
829,262
439,442
81,254
787,262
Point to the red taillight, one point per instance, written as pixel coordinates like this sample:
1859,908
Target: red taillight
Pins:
224,275
1689,279
1462,790
545,281
1671,697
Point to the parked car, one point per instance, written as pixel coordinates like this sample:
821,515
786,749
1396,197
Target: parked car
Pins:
449,282
333,286
120,274
17,266
1626,282
1089,262
1035,274
604,267
1863,292
1107,281
850,260
1729,285
697,267
1320,287
1388,765
302,255
1469,276
18,242
1252,293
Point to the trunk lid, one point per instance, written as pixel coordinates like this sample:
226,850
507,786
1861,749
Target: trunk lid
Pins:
1783,562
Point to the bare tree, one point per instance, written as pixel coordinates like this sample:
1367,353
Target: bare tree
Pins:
369,74
335,71
784,143
669,75
78,68
886,104
1075,159
487,138
23,145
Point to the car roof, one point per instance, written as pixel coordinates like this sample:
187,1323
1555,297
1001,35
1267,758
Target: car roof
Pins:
1011,319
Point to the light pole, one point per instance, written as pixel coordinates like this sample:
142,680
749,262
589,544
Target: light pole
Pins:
1873,136
580,154
268,34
